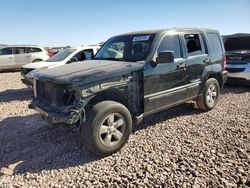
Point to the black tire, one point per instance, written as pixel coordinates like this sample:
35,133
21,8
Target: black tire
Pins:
99,115
203,102
36,60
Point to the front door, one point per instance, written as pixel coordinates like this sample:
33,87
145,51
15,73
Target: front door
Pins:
164,84
6,58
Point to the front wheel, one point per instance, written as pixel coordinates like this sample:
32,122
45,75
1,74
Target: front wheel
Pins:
210,95
107,128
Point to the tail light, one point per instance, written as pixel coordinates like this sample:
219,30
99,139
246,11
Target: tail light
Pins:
50,54
225,62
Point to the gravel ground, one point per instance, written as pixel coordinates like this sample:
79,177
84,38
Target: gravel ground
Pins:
180,147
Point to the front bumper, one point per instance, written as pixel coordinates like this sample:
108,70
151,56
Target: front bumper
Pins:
27,82
52,116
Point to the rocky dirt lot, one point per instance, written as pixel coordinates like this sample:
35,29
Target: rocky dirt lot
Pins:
180,147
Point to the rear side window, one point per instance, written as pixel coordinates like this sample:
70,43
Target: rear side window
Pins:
20,50
32,50
193,44
27,50
6,51
170,43
215,44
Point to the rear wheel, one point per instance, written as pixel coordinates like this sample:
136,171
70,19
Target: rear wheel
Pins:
210,95
107,128
37,60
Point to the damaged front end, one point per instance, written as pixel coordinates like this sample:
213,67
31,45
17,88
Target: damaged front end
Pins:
57,103
62,103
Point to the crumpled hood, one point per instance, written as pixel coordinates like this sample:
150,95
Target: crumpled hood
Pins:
39,64
86,72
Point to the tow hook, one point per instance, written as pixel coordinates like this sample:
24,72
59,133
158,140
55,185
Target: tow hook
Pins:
77,117
31,106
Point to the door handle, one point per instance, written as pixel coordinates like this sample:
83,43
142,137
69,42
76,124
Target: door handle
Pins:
182,65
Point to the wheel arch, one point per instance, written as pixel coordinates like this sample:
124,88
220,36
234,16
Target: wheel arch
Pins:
218,77
37,60
111,94
213,71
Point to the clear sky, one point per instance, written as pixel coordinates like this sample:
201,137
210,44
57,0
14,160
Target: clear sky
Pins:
80,22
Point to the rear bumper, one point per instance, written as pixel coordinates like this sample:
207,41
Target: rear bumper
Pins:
239,78
239,75
238,81
224,76
239,71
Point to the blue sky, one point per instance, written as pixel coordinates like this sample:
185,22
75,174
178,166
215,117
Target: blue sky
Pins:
79,22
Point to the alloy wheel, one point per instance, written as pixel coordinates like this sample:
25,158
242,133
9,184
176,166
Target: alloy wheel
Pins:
112,129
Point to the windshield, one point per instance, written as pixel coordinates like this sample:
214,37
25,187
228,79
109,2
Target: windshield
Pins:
126,48
60,56
237,44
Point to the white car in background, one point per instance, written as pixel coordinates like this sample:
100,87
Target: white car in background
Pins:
66,56
237,48
15,56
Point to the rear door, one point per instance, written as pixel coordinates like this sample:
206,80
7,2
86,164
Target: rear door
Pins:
21,56
6,58
196,59
28,51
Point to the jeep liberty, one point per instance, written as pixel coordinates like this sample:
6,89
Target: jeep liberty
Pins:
132,76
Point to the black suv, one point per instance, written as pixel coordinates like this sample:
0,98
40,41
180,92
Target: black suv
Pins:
132,76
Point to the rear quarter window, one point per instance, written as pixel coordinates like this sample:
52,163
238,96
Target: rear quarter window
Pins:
215,44
33,50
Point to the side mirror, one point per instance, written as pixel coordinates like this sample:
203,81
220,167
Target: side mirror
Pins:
73,60
165,57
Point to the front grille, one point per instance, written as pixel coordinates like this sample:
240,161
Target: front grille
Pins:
50,93
25,71
234,70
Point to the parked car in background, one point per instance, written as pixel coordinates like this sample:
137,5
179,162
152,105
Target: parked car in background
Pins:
237,48
132,76
66,56
14,57
3,45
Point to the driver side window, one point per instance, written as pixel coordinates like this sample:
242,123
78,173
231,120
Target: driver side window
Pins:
6,51
82,55
170,43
